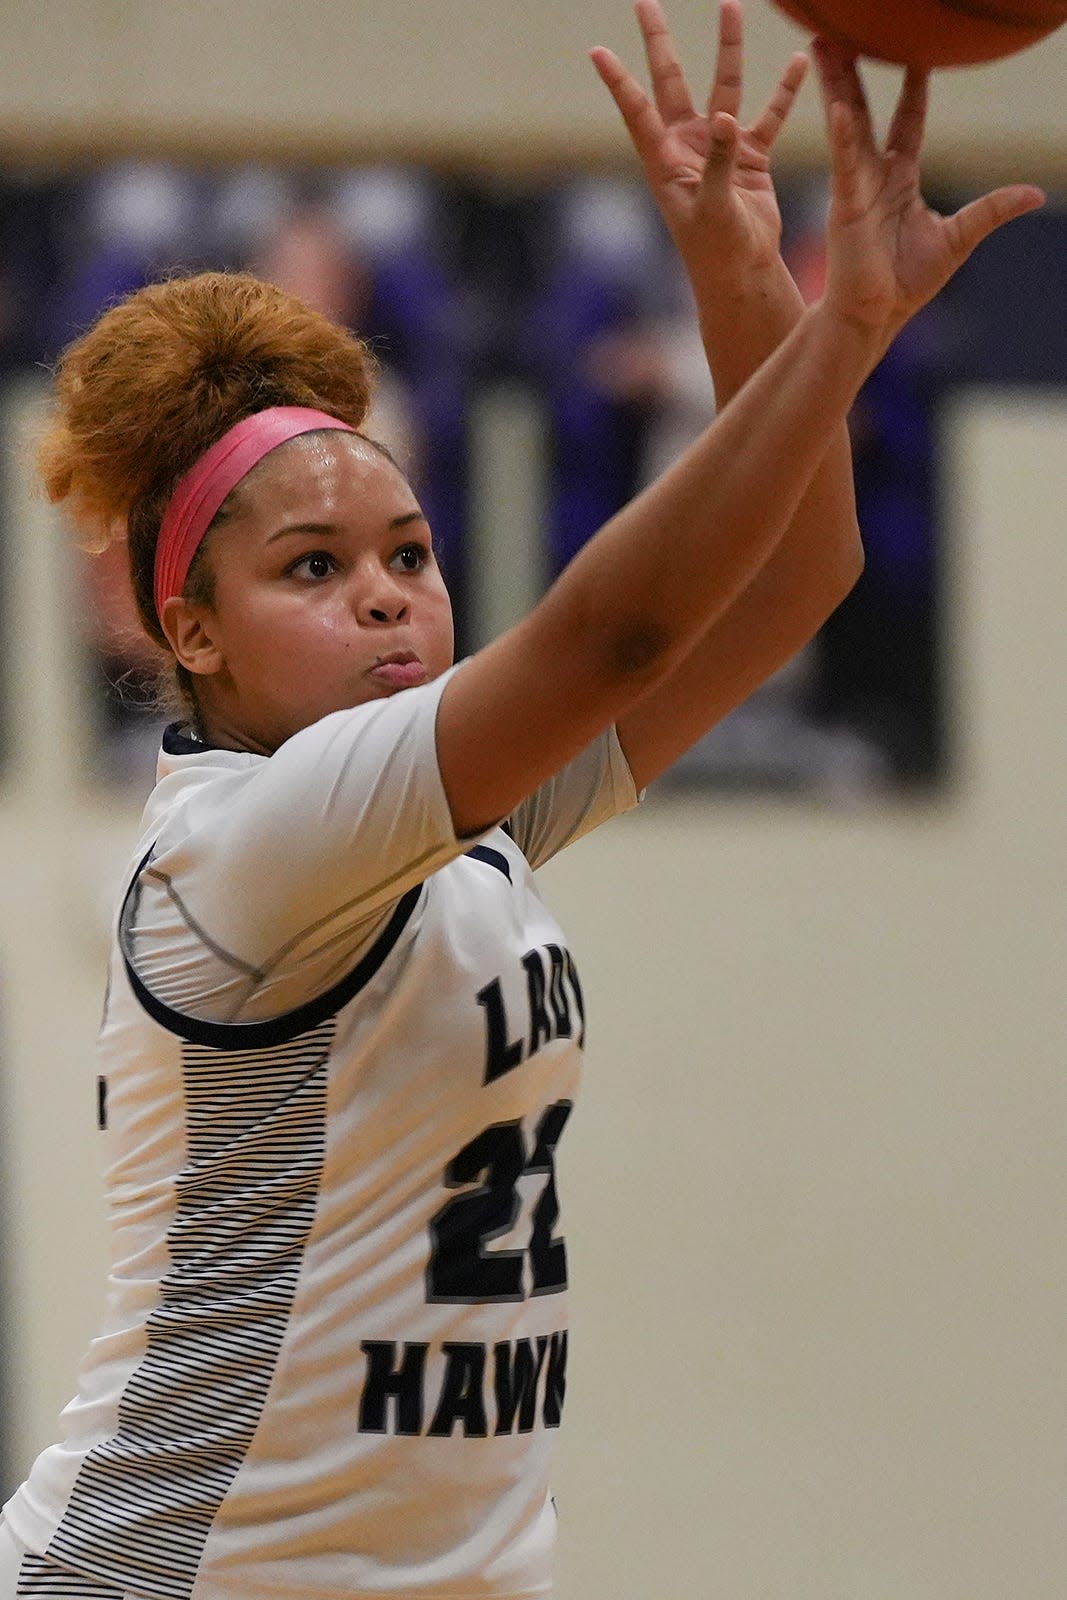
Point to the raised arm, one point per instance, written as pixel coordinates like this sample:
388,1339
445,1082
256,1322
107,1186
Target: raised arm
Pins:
720,207
634,603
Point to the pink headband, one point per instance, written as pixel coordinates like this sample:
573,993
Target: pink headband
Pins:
205,486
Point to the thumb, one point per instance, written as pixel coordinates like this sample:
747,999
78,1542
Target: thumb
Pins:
982,217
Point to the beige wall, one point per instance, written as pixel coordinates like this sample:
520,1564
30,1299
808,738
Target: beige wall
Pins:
492,79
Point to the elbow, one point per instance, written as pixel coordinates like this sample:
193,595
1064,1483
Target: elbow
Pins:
854,566
624,650
638,651
848,570
838,583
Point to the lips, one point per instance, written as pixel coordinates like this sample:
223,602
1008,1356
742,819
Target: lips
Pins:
402,669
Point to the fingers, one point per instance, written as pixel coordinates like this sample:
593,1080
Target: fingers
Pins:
643,121
729,62
722,152
673,100
847,161
840,82
769,124
977,221
649,120
905,137
669,86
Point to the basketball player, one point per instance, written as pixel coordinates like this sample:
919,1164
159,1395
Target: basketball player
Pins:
342,1035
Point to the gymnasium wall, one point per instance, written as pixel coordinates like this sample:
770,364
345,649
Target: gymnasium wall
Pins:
496,80
814,1196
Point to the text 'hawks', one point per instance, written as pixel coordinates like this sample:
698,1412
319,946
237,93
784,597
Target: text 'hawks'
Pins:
484,1389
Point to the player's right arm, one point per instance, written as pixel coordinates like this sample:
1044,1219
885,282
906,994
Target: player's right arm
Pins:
635,600
630,608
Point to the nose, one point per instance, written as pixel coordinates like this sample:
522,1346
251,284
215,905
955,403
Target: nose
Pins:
380,597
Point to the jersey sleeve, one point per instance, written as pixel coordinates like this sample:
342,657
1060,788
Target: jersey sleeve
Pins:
596,786
269,877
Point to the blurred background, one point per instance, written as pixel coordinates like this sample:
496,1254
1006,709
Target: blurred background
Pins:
816,1196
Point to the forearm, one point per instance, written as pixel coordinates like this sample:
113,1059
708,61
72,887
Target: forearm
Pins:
640,596
783,607
741,324
804,579
671,563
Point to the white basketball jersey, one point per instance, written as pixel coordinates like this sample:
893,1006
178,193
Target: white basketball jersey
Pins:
339,1052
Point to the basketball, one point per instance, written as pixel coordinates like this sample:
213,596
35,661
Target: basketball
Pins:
930,33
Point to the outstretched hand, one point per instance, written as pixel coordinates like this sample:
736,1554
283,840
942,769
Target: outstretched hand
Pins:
709,175
888,254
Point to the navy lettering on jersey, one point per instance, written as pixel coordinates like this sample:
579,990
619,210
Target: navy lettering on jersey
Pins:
500,1056
579,999
461,1392
516,1376
462,1266
487,1390
540,1023
548,1255
561,1010
553,1001
387,1380
467,1265
556,1379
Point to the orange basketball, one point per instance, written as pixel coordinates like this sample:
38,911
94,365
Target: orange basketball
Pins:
930,33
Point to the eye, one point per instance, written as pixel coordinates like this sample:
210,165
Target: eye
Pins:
412,557
317,564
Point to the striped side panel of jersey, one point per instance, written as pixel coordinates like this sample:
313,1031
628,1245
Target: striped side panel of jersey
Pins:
143,1503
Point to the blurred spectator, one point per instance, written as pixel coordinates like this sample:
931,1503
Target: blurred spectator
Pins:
572,287
659,364
420,323
34,212
136,220
309,255
603,275
246,206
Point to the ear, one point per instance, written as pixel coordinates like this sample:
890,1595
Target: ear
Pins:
191,632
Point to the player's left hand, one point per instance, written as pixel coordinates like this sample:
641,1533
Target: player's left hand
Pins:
888,253
710,176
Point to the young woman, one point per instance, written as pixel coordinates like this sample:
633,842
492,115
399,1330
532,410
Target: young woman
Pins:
342,1034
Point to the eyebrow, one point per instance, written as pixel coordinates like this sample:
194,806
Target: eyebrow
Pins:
326,529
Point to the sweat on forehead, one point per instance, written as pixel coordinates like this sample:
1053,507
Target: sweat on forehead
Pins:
273,474
314,445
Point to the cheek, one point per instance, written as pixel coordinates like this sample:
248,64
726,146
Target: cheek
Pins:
281,642
440,624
